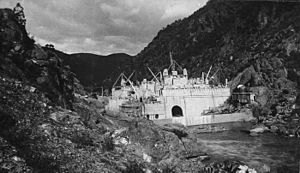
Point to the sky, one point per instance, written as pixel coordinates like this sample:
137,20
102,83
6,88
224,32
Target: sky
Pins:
101,26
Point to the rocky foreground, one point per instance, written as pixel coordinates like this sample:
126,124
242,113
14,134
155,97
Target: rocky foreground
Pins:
38,137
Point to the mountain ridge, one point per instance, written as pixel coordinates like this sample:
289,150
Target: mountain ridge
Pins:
95,71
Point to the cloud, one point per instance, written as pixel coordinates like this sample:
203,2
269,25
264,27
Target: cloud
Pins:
101,26
181,8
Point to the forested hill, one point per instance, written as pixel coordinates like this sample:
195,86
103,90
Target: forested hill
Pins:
93,69
231,36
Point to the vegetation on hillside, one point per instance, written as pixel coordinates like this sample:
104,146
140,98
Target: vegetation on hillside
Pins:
256,44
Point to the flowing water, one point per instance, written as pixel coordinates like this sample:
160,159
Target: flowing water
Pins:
266,149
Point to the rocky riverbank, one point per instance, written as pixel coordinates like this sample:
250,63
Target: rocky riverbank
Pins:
282,120
284,123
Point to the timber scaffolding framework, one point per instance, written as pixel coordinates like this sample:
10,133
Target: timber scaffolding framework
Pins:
122,76
165,82
245,97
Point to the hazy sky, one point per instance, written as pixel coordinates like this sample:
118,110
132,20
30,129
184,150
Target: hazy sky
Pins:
101,26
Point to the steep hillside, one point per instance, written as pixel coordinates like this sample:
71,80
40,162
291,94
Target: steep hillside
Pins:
252,43
231,36
96,70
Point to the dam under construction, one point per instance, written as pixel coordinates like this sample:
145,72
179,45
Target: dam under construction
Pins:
174,98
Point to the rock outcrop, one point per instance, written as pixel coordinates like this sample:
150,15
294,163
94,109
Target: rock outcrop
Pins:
28,62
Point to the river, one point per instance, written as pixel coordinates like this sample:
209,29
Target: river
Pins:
257,152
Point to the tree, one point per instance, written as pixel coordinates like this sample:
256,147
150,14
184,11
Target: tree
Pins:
49,46
19,12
